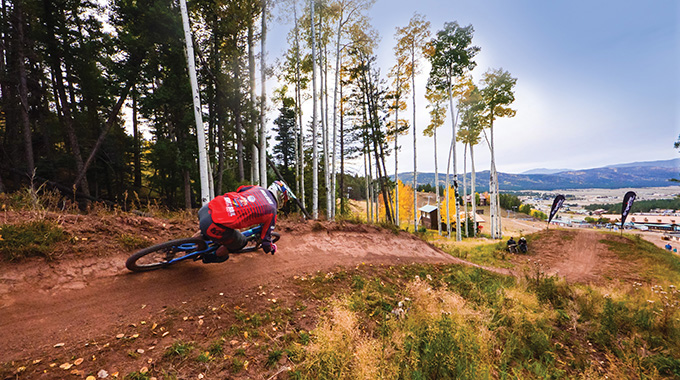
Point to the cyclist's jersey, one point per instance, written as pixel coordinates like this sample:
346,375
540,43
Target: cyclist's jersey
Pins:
248,206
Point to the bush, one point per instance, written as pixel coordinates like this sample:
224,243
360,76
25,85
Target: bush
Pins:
35,238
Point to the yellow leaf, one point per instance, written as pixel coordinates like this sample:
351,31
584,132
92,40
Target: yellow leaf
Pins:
245,334
91,378
143,370
79,361
66,366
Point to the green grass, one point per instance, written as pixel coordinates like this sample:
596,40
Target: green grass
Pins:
133,242
657,264
457,322
34,238
179,350
493,254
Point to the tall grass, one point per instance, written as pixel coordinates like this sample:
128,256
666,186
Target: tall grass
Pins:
455,322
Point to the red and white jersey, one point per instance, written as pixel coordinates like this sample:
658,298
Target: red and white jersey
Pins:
248,206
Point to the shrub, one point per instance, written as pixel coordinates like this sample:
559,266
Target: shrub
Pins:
35,238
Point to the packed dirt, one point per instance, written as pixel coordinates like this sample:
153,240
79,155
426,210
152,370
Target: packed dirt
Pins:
81,296
85,295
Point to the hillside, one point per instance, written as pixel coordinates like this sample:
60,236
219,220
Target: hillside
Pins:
338,300
652,174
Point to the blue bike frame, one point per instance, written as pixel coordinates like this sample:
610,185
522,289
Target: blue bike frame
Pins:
212,246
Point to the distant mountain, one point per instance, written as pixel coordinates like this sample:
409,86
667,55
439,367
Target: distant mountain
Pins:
640,174
674,163
545,171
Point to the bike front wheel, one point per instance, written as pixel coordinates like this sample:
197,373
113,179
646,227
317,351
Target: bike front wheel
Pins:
161,255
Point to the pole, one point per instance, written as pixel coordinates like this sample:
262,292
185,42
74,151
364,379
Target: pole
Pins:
280,177
200,128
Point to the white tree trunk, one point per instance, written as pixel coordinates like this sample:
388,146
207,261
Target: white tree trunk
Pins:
396,160
263,98
465,208
448,190
335,113
315,148
436,181
415,156
473,191
298,100
454,121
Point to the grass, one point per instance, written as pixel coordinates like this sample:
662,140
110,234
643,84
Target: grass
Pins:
658,264
33,238
456,322
133,242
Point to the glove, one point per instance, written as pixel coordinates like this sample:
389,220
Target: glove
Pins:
268,247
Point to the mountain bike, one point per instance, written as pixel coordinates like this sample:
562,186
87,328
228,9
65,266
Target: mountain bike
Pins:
174,251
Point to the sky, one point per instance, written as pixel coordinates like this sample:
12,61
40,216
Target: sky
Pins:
598,82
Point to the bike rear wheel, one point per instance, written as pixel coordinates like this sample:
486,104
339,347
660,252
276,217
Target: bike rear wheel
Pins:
159,255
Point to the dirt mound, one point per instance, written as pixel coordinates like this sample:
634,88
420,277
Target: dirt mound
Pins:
88,293
577,256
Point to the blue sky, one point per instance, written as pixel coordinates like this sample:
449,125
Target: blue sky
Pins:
598,82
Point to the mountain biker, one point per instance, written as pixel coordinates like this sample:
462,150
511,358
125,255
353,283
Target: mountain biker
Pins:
249,205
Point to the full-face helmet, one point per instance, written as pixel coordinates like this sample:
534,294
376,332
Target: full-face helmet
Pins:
281,192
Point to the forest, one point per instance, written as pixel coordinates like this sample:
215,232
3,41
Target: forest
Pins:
97,101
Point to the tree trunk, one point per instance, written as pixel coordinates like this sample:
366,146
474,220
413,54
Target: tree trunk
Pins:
396,153
473,191
454,121
263,98
23,91
136,138
237,117
254,165
315,149
342,156
335,105
465,189
187,190
415,156
298,102
436,180
55,63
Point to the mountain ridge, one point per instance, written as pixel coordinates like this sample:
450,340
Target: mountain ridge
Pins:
633,175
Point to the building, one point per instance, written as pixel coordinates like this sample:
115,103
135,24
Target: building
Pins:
652,221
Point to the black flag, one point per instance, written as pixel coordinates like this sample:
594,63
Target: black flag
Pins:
628,200
557,203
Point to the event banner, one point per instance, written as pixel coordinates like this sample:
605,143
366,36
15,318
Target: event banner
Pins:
628,200
557,203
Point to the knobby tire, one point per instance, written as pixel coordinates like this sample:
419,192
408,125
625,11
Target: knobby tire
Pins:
134,266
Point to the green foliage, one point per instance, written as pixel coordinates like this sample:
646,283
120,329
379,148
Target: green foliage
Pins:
179,349
34,238
137,376
525,209
273,358
509,201
132,242
441,350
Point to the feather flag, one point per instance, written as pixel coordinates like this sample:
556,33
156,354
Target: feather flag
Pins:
557,203
628,200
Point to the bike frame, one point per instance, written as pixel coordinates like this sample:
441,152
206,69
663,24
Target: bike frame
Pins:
212,246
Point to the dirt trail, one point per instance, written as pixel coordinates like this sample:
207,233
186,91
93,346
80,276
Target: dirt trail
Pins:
77,300
577,255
